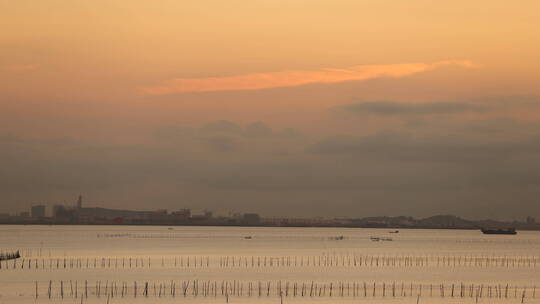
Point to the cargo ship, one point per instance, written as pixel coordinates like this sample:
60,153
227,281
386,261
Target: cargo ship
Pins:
499,231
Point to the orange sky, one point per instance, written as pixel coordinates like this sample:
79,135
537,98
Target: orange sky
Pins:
97,50
225,90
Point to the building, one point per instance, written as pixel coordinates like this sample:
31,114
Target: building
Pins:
158,216
79,202
38,211
251,219
96,214
61,212
182,214
201,215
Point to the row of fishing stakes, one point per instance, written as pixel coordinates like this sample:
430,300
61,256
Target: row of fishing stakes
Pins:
378,261
272,261
197,288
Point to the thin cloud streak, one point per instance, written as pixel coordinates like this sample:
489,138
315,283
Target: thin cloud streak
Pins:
402,108
294,78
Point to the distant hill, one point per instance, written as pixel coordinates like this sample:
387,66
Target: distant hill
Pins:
445,221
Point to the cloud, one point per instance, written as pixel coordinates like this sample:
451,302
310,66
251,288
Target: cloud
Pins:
294,78
403,108
256,130
221,143
222,126
221,169
513,101
401,146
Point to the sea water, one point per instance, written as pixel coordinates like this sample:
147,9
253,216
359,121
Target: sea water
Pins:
162,264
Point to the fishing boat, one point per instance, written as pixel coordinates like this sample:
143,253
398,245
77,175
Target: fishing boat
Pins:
337,238
9,256
499,231
378,239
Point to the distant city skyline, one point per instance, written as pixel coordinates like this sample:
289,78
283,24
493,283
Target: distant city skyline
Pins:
40,210
92,215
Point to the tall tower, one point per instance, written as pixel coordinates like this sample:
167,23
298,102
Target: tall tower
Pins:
79,202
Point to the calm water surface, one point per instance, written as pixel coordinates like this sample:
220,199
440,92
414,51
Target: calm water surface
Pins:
126,264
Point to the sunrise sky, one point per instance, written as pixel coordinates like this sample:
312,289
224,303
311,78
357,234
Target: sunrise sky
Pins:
300,108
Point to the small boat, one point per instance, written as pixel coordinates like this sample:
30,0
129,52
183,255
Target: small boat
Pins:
395,231
378,239
10,256
499,231
336,238
249,237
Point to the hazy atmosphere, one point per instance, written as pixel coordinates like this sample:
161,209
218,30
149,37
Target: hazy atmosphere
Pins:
297,108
